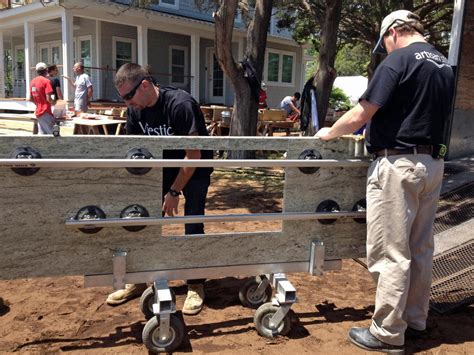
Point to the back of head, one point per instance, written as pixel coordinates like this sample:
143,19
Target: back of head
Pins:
130,72
51,68
41,68
404,21
297,95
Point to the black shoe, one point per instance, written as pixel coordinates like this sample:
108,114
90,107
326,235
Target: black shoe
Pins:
365,340
414,334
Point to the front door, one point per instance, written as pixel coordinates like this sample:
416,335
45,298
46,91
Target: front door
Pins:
215,79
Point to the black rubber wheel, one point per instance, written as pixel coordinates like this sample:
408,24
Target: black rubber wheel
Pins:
146,302
148,298
262,321
152,340
247,294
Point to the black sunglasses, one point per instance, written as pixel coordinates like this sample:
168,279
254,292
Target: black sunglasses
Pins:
129,95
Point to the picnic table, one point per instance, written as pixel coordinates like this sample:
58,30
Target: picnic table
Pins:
97,124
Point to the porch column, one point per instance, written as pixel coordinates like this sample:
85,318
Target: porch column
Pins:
98,60
2,67
68,52
195,44
456,32
29,29
142,45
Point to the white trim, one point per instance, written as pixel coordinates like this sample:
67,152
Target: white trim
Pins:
169,6
195,66
132,41
98,58
186,65
280,68
210,51
67,51
2,67
142,45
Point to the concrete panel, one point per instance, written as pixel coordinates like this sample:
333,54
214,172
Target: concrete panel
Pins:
462,134
34,209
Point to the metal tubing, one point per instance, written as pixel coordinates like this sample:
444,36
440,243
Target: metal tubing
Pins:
317,254
177,163
207,272
119,265
146,221
279,315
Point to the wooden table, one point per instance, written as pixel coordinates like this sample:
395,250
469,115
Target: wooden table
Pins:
265,128
92,126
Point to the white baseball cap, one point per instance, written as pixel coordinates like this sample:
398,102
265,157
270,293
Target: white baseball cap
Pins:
41,66
394,19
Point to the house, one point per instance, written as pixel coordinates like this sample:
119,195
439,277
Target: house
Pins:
174,37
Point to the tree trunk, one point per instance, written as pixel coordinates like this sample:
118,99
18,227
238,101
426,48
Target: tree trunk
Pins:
244,117
326,73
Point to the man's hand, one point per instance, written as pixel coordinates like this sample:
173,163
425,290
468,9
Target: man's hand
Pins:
323,133
170,205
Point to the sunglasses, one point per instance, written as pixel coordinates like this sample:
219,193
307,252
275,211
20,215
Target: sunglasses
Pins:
129,95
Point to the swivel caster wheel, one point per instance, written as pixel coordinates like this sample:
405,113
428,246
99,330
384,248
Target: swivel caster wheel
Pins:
151,335
148,299
263,324
249,297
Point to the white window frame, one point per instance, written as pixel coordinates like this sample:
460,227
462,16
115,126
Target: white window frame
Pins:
15,76
49,45
280,68
169,6
116,39
186,65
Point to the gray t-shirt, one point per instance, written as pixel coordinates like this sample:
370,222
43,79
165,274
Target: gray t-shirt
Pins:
285,104
82,83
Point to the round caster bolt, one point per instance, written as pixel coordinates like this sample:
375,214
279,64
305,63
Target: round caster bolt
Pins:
309,154
151,335
90,213
328,206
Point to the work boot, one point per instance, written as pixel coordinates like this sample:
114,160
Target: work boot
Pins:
364,339
194,300
130,292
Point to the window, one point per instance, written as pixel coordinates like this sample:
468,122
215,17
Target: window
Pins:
173,4
123,51
280,67
84,50
20,63
178,65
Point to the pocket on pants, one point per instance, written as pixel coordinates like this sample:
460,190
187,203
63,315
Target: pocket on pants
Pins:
373,175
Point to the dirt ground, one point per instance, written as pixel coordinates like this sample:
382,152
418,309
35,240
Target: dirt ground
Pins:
52,315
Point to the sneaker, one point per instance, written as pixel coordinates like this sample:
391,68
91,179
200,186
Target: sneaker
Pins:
130,292
194,300
364,339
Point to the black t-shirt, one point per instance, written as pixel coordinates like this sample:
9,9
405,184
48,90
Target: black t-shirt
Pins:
55,83
413,87
175,113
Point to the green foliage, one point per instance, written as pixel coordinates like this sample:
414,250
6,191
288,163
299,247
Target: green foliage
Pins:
352,59
339,100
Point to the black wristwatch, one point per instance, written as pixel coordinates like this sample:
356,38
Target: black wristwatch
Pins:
174,193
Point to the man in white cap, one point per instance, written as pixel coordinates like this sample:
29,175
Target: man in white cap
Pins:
406,107
40,94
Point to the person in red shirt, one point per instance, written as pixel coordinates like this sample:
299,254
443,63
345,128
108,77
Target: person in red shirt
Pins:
262,97
40,94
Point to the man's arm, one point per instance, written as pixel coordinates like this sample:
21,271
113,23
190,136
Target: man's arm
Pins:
72,83
295,109
170,204
90,91
350,122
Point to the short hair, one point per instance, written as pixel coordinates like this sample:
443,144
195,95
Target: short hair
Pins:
297,95
52,67
414,25
130,72
42,71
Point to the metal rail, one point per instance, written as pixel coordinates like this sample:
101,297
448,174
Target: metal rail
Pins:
177,163
147,221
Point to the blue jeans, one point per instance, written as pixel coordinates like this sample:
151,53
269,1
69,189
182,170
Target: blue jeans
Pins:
195,193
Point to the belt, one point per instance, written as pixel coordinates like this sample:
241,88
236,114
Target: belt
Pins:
419,149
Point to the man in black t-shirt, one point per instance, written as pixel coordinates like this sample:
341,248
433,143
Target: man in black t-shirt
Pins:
167,111
406,107
55,83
